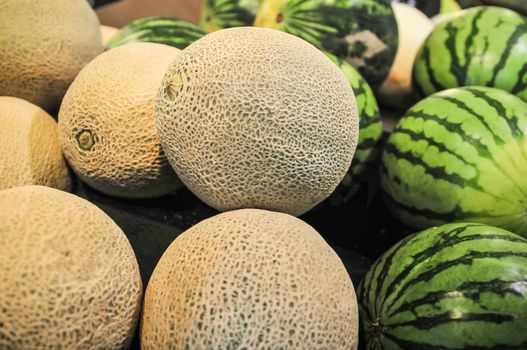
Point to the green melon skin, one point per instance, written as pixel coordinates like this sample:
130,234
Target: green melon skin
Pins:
363,32
457,286
370,134
485,46
459,155
516,5
160,30
221,14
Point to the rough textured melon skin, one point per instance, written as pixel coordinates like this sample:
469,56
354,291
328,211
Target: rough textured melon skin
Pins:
30,152
69,276
250,279
43,45
253,117
414,27
107,124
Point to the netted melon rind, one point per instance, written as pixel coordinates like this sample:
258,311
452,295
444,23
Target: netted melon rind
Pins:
111,105
43,45
69,276
30,152
250,279
257,118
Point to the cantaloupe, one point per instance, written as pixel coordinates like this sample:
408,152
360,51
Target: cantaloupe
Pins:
43,45
414,27
107,33
250,279
257,118
107,124
30,152
69,278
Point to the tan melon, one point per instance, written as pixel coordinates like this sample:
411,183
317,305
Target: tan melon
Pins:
30,152
107,33
43,45
414,27
250,279
107,123
69,276
257,118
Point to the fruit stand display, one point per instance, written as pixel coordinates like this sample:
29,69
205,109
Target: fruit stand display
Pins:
263,174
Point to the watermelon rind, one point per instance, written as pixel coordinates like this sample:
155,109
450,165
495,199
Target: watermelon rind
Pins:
457,286
161,30
459,155
484,46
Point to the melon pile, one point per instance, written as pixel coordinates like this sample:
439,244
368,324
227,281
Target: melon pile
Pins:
263,112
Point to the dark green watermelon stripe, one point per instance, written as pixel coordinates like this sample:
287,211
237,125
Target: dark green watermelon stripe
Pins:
463,106
427,323
521,83
482,149
511,41
466,259
384,267
367,144
430,71
469,290
456,214
512,122
416,137
367,121
458,70
407,344
448,239
470,41
438,173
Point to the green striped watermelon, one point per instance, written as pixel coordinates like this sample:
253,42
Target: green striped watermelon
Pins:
457,286
484,46
162,30
370,134
220,14
459,155
364,32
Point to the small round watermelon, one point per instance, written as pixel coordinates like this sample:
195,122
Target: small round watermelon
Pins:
161,30
484,46
363,32
370,133
459,155
457,286
220,14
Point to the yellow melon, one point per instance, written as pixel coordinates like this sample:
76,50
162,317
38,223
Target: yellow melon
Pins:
414,27
257,118
250,279
30,152
107,123
43,45
107,33
69,278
